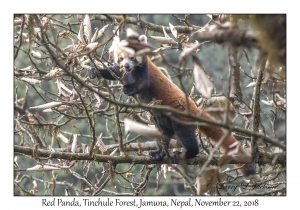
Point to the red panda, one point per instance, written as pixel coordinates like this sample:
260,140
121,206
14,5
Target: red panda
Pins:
142,77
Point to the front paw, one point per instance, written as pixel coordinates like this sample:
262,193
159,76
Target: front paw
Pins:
92,73
158,155
129,90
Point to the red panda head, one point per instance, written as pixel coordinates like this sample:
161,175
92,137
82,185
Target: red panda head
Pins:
123,56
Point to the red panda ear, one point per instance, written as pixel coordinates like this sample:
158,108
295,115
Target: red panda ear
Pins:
143,38
138,43
131,34
134,44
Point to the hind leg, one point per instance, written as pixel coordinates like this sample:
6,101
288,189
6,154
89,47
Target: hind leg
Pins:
160,153
187,136
165,125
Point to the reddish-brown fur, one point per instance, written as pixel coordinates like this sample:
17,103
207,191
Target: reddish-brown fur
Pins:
165,90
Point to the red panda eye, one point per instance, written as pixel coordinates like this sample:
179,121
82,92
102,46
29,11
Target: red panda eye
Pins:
121,58
132,58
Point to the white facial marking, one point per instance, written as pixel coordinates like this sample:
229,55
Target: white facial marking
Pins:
116,57
139,59
127,60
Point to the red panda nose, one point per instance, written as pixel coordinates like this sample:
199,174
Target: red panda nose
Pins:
126,65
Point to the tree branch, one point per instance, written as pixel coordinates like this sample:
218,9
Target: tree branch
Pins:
256,106
144,24
235,71
199,160
235,37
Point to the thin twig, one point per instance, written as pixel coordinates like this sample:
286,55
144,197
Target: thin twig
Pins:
256,106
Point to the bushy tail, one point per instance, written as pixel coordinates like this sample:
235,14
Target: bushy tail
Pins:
216,133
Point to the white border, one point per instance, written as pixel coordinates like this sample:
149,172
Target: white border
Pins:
149,7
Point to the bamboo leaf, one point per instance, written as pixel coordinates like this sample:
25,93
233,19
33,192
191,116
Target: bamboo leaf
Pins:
98,33
42,168
139,128
31,80
165,33
47,105
202,83
252,84
87,29
173,30
163,40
